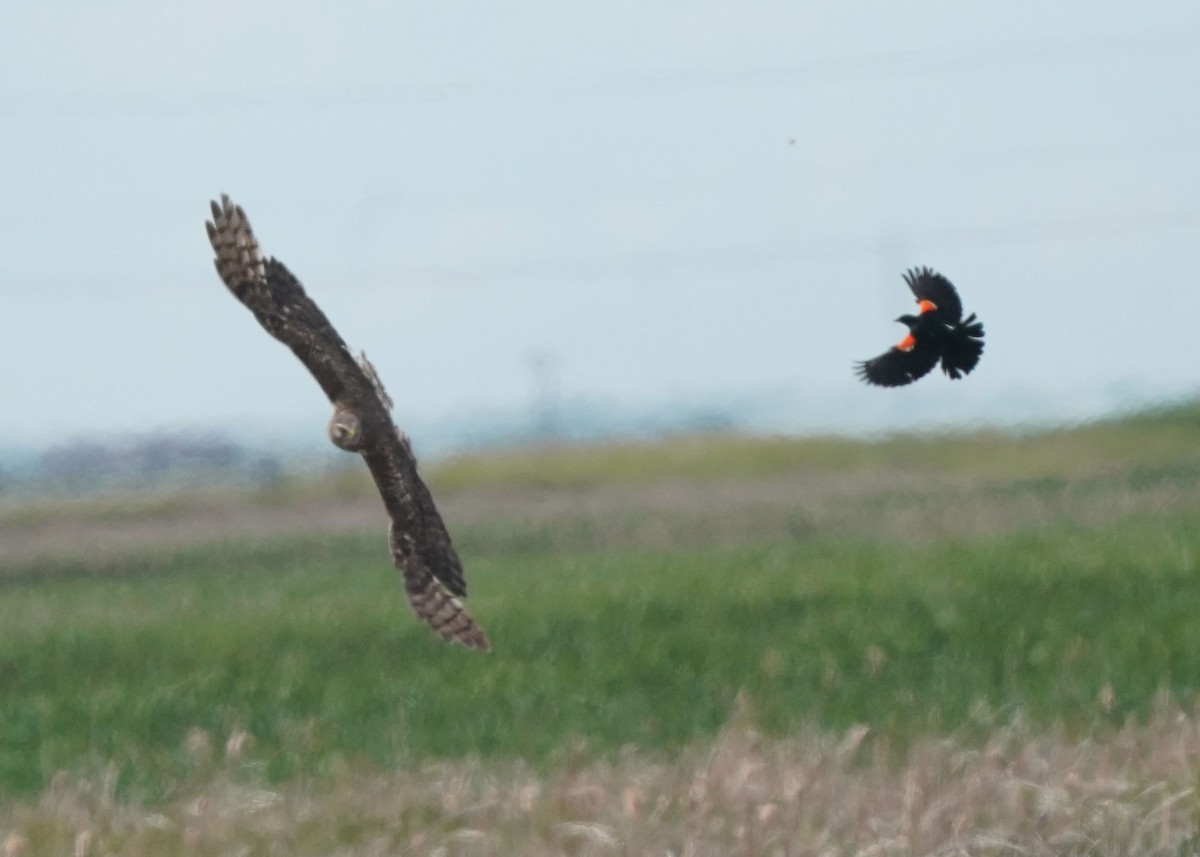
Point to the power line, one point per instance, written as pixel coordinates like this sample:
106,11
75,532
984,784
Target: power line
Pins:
915,61
381,203
141,284
743,258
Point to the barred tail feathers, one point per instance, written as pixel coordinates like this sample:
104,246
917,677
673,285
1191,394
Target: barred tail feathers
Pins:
431,601
436,607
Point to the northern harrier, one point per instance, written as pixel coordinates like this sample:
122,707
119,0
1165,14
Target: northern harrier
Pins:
939,332
362,423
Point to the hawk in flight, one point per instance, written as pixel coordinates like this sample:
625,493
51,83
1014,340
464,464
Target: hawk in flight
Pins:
362,423
939,332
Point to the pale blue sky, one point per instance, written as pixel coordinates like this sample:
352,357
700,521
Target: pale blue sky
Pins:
461,185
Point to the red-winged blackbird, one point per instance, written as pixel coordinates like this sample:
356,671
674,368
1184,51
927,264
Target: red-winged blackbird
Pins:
938,333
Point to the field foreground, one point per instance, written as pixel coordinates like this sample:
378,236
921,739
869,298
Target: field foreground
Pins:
1020,792
978,644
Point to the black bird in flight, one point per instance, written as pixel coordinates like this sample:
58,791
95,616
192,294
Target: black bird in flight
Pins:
939,332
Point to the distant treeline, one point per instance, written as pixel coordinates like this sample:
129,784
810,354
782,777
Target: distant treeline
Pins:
173,458
145,461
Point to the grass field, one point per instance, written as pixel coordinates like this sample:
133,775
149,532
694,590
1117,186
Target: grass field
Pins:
886,615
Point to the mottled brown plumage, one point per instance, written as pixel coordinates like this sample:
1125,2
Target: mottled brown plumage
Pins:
421,548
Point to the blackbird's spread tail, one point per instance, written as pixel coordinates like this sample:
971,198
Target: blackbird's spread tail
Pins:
964,348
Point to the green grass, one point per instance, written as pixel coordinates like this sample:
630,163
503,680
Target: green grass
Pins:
636,594
309,647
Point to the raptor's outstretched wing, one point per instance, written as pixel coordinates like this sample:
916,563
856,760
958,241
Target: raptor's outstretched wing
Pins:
420,545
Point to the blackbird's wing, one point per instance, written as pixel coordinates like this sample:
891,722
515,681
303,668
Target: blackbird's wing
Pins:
928,285
899,366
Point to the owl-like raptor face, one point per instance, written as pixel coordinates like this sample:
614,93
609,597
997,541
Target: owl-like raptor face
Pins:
345,430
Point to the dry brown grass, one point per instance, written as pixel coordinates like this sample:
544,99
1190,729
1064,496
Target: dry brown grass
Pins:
1130,791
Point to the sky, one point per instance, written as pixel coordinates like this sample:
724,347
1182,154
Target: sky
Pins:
632,205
